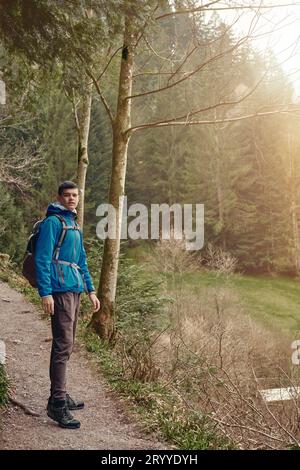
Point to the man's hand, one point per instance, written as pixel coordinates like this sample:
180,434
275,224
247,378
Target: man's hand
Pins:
48,304
95,301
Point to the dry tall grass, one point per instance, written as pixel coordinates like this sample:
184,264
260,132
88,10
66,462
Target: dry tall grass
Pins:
218,358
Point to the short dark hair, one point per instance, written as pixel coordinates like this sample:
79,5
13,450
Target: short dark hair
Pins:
66,185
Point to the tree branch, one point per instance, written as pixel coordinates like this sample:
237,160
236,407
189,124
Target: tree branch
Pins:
91,75
108,63
103,99
205,45
197,69
157,54
212,121
237,7
209,108
145,25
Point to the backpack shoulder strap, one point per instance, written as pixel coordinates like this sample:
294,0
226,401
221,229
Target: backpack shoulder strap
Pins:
33,236
62,236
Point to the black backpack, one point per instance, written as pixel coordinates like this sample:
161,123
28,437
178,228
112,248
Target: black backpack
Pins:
28,270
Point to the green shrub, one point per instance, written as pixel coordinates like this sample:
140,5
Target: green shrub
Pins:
4,386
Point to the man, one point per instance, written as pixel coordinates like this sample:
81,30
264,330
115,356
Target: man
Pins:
62,275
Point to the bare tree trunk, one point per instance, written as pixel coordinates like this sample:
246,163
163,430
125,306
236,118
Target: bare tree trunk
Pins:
220,196
83,118
103,322
217,156
296,239
293,210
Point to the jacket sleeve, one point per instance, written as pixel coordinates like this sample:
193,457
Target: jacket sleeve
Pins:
45,244
84,268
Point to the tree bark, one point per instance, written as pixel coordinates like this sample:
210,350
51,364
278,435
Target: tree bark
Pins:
217,157
293,208
103,321
83,127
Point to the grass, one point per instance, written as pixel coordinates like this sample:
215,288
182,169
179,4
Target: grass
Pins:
4,386
273,301
157,407
139,253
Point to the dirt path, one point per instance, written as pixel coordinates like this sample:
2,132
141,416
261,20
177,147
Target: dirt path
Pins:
104,421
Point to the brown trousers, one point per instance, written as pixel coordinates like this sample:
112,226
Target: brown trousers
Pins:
63,324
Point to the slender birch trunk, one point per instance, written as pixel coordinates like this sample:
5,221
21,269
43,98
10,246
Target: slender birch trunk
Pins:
83,118
217,156
103,322
293,207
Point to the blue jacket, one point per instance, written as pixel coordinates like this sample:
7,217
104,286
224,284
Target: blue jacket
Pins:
53,277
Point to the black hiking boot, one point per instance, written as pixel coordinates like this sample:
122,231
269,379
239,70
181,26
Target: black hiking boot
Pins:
72,404
60,413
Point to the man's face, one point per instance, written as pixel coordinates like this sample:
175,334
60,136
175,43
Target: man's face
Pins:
69,198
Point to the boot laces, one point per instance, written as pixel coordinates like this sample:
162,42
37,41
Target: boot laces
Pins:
66,413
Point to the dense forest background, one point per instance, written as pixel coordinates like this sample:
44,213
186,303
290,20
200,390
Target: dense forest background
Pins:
245,172
166,102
